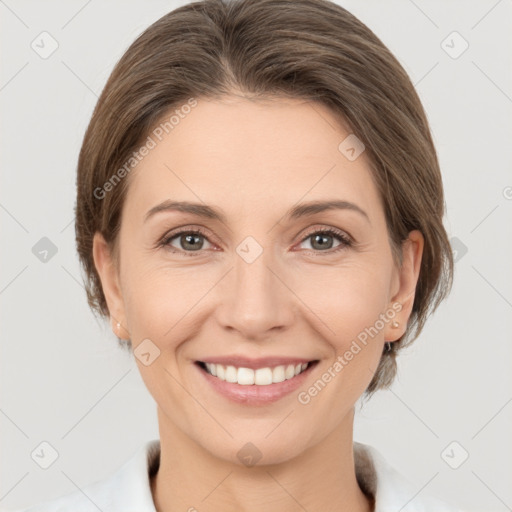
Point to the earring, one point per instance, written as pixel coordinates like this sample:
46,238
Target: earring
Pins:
395,324
388,346
118,329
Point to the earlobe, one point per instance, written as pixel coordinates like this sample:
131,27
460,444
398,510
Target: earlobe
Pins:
412,252
106,268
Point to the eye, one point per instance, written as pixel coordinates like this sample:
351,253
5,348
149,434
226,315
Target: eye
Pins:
190,241
321,240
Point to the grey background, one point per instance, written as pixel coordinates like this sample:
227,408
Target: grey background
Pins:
63,379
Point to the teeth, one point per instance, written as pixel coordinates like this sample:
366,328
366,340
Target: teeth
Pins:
231,374
278,374
246,376
259,377
263,376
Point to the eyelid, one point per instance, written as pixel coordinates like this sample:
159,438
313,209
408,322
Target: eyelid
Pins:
322,227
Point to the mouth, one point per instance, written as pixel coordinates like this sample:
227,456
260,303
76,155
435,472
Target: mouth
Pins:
257,376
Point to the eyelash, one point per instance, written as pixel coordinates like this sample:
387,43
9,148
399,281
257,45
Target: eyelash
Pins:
342,237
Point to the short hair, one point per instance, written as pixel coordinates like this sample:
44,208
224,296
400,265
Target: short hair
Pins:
305,49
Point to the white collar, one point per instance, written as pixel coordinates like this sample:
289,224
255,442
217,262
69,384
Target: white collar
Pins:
128,489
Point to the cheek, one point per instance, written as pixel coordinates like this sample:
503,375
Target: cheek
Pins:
161,302
347,299
153,297
165,304
155,307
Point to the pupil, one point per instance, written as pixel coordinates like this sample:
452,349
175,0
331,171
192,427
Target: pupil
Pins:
189,240
321,238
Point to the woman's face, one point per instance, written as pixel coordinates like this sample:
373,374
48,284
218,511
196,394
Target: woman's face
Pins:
258,282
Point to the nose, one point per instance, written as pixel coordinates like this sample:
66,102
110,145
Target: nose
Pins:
255,300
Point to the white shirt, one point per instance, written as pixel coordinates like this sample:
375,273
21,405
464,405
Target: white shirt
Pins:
128,489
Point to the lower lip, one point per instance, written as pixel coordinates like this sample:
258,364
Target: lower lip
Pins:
254,394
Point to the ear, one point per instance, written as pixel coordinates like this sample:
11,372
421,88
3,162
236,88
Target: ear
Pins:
109,277
403,299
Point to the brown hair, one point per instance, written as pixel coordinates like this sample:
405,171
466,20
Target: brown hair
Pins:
305,49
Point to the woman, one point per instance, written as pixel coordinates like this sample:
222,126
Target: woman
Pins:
259,214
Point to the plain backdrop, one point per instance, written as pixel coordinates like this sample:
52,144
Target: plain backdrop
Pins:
65,382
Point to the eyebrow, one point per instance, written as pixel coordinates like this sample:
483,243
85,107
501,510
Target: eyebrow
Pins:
296,212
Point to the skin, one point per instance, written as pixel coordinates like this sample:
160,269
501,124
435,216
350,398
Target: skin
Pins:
255,160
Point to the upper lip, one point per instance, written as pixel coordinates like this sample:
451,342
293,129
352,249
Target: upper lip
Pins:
262,362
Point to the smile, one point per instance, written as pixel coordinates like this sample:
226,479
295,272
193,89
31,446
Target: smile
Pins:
257,377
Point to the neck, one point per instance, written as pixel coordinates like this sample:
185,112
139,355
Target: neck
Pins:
321,478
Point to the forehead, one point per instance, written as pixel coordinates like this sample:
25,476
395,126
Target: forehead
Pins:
248,155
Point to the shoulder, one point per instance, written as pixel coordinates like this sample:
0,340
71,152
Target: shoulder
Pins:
126,489
76,502
391,490
100,495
